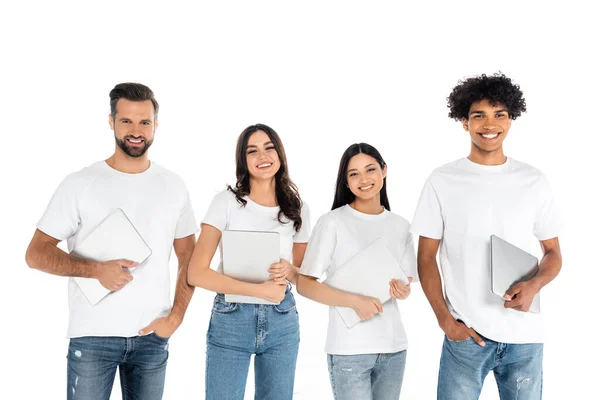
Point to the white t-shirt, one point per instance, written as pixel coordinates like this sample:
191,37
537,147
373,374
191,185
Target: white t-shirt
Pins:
225,213
338,236
463,204
157,203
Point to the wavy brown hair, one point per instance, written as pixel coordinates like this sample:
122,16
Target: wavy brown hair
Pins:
286,191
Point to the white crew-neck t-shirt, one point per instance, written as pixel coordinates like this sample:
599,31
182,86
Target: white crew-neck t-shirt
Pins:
463,204
338,236
226,213
157,203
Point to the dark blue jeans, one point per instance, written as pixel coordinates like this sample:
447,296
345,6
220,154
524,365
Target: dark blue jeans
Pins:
237,331
92,363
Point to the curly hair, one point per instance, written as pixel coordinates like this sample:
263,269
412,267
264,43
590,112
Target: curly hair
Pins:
497,89
286,192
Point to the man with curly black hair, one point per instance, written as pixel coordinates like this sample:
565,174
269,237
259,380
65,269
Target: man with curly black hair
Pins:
462,204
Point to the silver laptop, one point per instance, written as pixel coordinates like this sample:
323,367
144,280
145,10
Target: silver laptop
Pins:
509,265
247,256
367,273
113,239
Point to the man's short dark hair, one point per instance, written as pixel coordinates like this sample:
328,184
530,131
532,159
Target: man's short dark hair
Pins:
497,89
132,92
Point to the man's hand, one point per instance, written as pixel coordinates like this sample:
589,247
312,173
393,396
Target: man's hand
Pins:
113,275
520,296
283,271
163,327
457,331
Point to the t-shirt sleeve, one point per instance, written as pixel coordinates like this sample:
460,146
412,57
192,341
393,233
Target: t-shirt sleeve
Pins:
61,219
319,251
303,235
547,220
428,221
409,259
186,225
218,211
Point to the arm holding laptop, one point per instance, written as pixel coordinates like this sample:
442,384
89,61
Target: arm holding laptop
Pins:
366,307
549,268
43,254
283,270
200,274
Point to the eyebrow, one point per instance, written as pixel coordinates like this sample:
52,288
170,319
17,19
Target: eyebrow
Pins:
483,112
264,144
366,166
129,119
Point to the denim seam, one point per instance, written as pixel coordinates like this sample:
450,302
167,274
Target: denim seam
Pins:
123,384
331,374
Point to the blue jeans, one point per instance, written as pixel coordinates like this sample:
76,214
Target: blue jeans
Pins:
464,365
367,376
92,363
236,331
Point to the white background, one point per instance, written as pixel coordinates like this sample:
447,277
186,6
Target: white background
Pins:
323,75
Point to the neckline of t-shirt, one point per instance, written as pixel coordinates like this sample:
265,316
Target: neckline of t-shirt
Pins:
259,207
368,217
488,168
147,172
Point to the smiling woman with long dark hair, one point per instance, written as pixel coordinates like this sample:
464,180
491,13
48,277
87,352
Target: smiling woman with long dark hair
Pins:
263,199
366,361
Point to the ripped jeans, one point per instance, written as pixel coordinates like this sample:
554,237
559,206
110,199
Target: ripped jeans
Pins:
366,376
92,363
464,366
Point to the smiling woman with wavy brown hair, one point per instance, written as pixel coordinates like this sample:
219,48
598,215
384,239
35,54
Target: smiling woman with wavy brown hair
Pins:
263,199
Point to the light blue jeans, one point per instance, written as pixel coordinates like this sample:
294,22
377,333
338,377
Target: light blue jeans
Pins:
464,365
236,331
367,376
92,363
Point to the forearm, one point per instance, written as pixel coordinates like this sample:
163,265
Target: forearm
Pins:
431,283
549,268
48,258
294,278
209,279
316,291
183,292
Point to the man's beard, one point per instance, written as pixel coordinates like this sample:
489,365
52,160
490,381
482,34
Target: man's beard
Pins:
130,150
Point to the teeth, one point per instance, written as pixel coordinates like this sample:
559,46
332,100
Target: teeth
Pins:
264,165
489,135
366,187
135,140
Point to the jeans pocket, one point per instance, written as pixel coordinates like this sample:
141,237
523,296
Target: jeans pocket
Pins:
223,307
164,339
287,304
458,341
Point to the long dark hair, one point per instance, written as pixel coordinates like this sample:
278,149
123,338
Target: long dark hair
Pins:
343,194
288,198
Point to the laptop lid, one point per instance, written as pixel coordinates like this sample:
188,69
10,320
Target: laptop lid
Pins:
247,256
367,273
510,265
113,239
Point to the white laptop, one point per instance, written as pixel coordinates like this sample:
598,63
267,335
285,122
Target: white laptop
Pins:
113,239
368,273
509,265
247,256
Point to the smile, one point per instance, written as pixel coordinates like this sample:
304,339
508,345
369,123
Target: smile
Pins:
135,141
264,165
366,188
490,135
